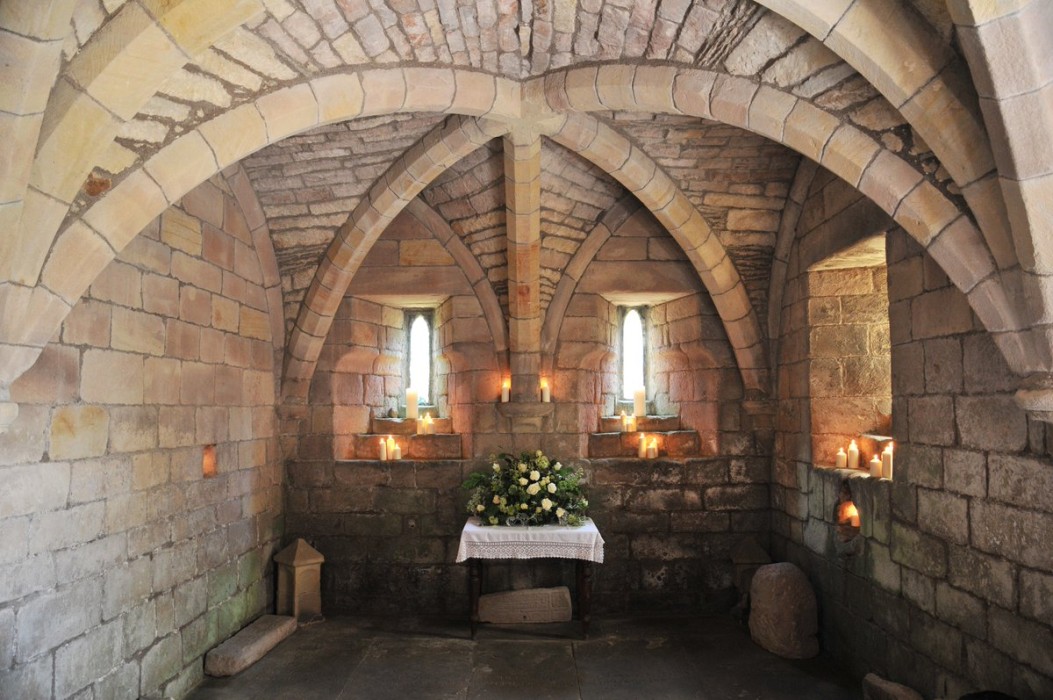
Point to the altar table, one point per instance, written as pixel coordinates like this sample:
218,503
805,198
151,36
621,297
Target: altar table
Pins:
582,543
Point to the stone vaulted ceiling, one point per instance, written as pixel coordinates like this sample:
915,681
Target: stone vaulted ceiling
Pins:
521,124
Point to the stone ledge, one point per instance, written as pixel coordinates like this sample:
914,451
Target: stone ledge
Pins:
249,645
438,446
673,443
644,424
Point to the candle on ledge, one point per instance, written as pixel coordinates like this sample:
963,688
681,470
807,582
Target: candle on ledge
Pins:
886,462
383,450
412,403
639,401
853,455
853,514
546,391
398,452
506,389
429,425
625,422
390,448
841,459
641,452
632,424
875,467
652,449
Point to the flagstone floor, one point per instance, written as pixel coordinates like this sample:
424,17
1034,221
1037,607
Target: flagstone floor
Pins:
709,658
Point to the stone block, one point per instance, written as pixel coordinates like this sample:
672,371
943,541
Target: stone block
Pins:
1026,641
87,658
877,688
918,551
529,606
51,619
1012,533
990,578
78,431
931,420
944,515
784,611
1020,481
99,371
161,662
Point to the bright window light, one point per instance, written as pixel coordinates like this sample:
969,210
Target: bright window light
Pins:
632,353
420,358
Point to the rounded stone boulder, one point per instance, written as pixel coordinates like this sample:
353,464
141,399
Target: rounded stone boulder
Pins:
784,616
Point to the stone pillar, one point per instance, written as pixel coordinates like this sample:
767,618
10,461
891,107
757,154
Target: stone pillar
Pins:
300,581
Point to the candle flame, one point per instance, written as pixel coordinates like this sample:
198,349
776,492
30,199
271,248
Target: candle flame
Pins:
544,383
848,514
506,384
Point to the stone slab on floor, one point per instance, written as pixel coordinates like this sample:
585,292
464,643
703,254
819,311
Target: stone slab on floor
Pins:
249,645
528,605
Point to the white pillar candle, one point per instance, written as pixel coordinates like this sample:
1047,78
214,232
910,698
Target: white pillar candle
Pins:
429,425
632,424
625,422
841,459
546,392
411,403
652,449
506,389
641,452
383,450
390,448
398,452
886,462
639,402
853,455
875,467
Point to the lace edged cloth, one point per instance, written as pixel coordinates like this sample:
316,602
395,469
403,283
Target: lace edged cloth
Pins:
540,542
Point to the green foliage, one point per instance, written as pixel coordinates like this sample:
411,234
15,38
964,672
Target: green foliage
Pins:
528,489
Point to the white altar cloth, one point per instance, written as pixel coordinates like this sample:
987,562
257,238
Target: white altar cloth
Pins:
526,542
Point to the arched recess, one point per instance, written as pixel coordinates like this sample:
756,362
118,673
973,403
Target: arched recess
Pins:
403,181
915,70
626,163
932,219
30,315
469,264
610,222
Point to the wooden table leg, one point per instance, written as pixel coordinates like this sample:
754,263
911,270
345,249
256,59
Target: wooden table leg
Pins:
584,595
474,589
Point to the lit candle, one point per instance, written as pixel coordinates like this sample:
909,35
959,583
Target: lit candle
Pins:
429,425
875,467
398,452
853,455
506,388
383,450
546,391
632,424
625,422
411,403
639,400
842,459
853,514
886,462
642,451
652,449
390,448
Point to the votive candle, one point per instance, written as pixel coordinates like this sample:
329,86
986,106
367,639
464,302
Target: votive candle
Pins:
506,389
383,450
412,403
398,452
546,391
853,455
639,402
641,452
886,462
875,467
841,461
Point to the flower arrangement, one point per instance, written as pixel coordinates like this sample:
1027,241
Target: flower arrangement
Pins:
528,489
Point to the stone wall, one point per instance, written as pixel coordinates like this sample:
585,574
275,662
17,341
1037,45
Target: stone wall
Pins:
390,530
121,563
947,587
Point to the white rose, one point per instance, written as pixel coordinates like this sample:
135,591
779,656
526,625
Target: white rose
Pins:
522,467
497,467
480,508
546,504
522,506
558,466
551,488
535,475
533,489
522,481
497,499
560,512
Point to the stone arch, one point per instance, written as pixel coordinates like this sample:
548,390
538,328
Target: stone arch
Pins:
908,63
629,165
899,189
88,243
402,182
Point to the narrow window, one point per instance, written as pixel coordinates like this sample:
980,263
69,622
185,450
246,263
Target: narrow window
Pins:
419,358
633,356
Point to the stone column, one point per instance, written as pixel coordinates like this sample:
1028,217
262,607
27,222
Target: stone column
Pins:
522,154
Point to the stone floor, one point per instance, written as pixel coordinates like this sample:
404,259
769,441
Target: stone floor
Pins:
710,658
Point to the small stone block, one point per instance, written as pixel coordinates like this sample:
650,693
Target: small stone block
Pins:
606,445
438,446
394,426
681,443
249,645
530,606
657,424
877,688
